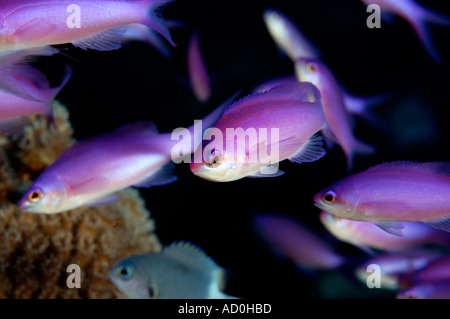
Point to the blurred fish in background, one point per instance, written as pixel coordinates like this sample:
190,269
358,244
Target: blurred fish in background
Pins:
418,16
294,240
368,236
395,266
198,73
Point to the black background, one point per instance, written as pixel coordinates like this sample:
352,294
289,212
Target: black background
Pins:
110,89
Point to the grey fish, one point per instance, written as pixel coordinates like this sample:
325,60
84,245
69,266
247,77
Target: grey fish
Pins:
180,271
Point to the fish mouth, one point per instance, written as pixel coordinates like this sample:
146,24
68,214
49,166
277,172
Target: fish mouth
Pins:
25,208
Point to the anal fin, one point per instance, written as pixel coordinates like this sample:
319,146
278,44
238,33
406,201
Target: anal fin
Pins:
311,151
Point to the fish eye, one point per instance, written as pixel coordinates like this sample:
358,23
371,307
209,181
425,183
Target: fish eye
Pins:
125,272
311,67
36,195
215,159
329,197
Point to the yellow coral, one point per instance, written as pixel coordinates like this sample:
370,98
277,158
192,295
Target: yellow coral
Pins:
35,250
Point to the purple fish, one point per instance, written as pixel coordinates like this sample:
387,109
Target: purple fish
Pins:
336,114
417,16
394,266
198,73
91,171
282,121
288,36
16,74
389,193
434,290
367,235
88,24
435,271
13,108
297,242
356,105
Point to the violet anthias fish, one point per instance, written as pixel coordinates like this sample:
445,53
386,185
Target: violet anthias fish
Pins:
394,266
288,36
390,193
417,16
366,235
282,122
14,108
336,114
295,241
198,73
16,74
88,24
91,171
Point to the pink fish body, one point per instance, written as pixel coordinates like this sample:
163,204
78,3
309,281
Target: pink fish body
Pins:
336,114
417,16
198,73
389,193
297,242
290,114
85,23
91,171
367,235
13,107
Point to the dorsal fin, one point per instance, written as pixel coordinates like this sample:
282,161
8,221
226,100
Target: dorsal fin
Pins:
301,91
434,167
191,255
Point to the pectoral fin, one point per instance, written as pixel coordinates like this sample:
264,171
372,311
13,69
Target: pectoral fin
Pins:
394,228
104,201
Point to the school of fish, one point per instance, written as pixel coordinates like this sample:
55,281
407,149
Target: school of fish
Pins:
394,211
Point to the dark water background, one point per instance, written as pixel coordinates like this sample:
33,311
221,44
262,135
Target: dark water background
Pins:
109,89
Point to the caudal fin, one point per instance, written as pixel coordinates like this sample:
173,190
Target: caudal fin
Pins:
358,147
48,95
419,19
155,20
363,107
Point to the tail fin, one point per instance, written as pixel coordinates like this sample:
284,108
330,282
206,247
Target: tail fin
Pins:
362,107
49,95
358,147
418,19
154,19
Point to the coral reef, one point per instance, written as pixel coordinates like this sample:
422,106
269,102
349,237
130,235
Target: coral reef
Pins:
35,250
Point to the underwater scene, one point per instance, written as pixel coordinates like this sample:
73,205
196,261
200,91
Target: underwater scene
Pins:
154,149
